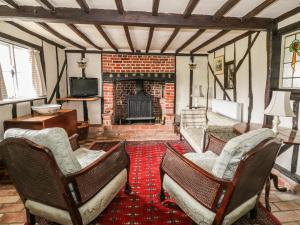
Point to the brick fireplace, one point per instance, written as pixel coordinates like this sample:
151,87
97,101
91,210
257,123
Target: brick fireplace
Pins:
120,74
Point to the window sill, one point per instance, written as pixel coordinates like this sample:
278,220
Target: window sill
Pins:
20,100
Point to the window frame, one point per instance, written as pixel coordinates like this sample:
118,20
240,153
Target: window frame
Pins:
282,63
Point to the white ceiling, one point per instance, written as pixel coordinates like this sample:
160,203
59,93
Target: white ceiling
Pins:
139,35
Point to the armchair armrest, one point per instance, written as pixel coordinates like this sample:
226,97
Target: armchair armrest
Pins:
74,141
201,185
90,180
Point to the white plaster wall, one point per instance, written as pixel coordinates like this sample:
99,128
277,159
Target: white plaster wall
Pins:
182,83
93,70
200,76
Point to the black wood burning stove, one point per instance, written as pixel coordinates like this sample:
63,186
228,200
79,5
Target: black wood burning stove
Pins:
139,106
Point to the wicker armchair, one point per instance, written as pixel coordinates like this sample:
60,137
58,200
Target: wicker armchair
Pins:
219,187
58,193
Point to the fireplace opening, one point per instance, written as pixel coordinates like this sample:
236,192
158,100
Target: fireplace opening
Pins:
138,101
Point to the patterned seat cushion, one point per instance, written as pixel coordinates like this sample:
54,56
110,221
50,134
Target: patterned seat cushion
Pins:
56,140
85,156
232,153
204,160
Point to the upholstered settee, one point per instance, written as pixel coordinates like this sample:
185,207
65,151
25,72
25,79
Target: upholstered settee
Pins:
194,123
60,181
220,189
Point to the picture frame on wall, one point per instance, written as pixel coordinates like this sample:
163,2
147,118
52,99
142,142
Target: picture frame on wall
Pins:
229,75
219,65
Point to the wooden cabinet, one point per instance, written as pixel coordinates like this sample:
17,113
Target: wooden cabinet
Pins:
65,118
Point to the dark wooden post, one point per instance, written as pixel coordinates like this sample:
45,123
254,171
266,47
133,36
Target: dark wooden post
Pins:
250,94
191,84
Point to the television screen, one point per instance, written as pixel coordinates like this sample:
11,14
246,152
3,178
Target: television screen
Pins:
83,87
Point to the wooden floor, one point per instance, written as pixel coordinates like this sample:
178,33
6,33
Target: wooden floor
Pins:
285,206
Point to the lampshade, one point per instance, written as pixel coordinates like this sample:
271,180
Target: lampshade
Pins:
280,104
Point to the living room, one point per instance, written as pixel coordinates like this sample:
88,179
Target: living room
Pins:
146,112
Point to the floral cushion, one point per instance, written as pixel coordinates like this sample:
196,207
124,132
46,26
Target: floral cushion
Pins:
56,140
228,161
85,156
204,160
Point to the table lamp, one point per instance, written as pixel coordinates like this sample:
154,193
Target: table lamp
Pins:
279,106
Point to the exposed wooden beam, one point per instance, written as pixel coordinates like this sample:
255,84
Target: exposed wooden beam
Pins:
105,36
225,8
246,34
83,4
173,35
46,4
151,31
112,17
12,3
83,36
54,32
120,6
214,38
288,14
258,9
155,6
190,8
127,33
35,34
190,40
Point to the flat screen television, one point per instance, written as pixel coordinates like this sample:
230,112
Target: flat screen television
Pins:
83,87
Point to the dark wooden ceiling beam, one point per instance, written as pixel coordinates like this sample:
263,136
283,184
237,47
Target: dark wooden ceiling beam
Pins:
83,36
214,38
120,6
258,9
225,8
155,6
190,8
190,40
112,17
46,4
127,33
246,34
35,34
150,36
12,3
173,35
105,36
288,14
54,32
83,5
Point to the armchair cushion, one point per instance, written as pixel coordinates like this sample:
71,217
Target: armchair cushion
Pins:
86,156
226,164
195,137
56,140
204,160
89,211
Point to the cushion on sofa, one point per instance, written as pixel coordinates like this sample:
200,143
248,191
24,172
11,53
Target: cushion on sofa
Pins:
56,140
85,156
195,137
227,163
216,119
204,160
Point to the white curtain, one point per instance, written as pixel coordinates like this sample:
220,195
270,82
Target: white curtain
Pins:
38,80
3,92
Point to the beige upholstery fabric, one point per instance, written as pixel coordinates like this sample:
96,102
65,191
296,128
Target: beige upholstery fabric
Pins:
86,156
215,119
195,137
235,149
204,160
199,213
56,140
89,211
193,118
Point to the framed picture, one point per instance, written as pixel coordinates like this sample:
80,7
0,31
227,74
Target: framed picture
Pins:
229,75
219,65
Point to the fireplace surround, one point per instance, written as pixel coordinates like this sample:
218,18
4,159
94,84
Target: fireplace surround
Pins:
125,75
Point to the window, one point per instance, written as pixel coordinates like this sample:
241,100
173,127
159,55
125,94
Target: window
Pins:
16,64
290,62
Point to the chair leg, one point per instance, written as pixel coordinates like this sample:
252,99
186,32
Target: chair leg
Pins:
30,218
162,195
128,189
253,213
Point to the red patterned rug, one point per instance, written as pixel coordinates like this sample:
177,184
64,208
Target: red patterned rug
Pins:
143,207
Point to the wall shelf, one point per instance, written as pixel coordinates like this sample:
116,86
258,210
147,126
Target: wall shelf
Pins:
66,99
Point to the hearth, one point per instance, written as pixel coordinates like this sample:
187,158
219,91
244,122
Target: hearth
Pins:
139,106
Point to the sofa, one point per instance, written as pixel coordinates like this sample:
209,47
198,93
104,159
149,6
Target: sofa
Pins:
220,119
